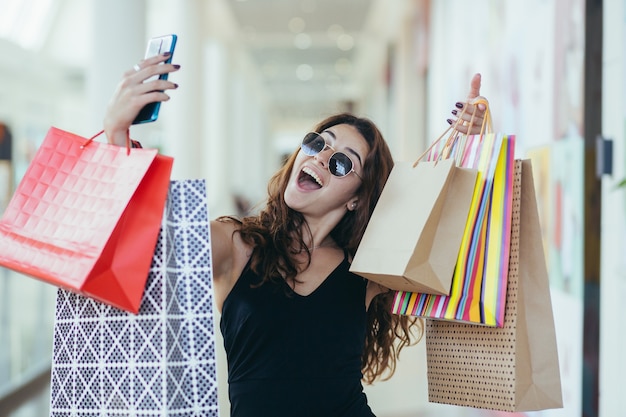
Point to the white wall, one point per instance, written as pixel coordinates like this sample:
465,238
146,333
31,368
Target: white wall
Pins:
530,56
613,262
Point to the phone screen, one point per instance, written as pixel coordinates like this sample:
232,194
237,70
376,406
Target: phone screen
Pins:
156,46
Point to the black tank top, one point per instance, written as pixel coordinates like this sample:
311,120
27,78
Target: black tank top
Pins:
296,356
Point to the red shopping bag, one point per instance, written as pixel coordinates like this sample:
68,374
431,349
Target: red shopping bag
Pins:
86,217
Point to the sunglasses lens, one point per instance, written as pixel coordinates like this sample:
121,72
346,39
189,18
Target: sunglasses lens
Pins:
339,164
312,144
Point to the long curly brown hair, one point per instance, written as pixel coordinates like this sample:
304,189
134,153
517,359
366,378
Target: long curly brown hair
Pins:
277,233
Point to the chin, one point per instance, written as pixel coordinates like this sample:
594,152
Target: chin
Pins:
293,205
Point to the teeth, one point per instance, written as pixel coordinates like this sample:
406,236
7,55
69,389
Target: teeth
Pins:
312,174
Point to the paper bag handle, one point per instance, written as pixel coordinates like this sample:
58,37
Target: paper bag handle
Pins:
88,141
486,127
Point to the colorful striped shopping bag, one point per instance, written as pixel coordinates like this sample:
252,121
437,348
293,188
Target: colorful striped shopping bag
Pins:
478,289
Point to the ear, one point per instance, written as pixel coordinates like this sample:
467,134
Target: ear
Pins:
352,204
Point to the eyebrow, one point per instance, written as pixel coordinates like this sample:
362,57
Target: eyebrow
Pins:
349,149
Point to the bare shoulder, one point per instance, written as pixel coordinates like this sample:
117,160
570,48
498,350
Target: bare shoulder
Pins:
373,289
229,255
224,240
222,230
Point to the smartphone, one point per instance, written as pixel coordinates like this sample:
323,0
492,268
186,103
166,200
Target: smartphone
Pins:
156,46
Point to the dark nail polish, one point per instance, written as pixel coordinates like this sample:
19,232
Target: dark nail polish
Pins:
459,105
167,53
449,121
176,66
175,85
454,112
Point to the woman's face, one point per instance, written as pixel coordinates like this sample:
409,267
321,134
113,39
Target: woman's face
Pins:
315,192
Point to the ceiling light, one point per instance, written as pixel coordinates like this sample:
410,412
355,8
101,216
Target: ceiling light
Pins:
302,41
334,31
296,24
304,72
345,42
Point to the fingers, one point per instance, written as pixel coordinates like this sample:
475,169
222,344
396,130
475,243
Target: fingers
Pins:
149,73
139,86
144,79
474,94
154,85
157,59
476,129
151,67
468,118
474,87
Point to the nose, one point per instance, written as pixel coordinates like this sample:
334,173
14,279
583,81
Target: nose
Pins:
319,158
323,156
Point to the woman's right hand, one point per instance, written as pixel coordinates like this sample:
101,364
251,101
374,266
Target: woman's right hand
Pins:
474,110
132,94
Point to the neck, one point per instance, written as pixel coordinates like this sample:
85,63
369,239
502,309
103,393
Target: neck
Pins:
326,243
316,231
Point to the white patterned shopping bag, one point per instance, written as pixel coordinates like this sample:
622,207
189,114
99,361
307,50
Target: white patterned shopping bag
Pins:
161,362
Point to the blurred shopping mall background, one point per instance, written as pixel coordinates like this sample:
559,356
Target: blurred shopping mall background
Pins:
257,74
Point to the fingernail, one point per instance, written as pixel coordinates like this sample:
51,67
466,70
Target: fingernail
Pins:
454,112
175,85
449,121
176,66
167,53
459,105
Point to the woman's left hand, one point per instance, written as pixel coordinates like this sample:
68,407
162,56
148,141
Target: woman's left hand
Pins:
474,110
134,91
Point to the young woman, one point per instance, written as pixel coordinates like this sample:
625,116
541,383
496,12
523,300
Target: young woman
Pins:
301,332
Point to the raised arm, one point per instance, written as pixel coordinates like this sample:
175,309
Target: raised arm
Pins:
471,106
132,94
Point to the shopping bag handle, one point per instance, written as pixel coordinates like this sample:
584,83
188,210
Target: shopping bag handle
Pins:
88,141
486,127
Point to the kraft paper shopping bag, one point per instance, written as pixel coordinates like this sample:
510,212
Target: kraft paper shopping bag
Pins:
412,240
85,217
413,237
509,368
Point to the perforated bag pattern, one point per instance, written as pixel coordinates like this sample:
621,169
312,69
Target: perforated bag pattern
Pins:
475,366
161,362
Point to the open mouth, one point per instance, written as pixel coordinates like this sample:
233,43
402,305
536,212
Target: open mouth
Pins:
308,179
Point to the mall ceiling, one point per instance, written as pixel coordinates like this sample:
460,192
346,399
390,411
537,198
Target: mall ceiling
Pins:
314,56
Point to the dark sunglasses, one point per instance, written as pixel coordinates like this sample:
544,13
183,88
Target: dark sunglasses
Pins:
339,164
